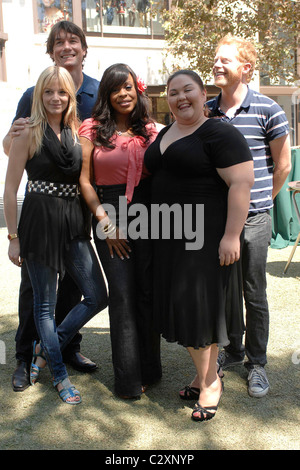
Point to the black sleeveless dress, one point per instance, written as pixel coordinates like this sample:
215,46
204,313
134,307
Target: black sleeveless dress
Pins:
48,223
195,299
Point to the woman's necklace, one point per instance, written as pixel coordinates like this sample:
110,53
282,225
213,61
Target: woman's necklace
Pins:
125,132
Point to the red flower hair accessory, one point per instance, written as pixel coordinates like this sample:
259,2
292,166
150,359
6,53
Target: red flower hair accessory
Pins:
141,85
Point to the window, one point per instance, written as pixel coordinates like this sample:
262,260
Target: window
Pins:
160,109
123,17
49,12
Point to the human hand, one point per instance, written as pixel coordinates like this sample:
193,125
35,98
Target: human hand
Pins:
119,244
18,126
115,239
229,250
14,252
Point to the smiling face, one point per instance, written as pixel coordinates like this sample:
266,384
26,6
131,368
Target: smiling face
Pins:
48,3
55,98
186,99
124,98
228,69
68,51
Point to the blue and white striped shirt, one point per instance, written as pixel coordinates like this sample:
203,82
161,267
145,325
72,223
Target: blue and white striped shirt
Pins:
261,120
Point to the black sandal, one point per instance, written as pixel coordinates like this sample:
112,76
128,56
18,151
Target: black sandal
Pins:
189,393
205,413
192,393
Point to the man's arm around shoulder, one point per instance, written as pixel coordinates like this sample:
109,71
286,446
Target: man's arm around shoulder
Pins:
14,131
21,117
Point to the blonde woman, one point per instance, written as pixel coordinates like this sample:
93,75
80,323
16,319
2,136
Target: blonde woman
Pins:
50,237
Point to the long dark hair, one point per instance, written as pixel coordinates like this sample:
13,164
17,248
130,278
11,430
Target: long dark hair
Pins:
103,112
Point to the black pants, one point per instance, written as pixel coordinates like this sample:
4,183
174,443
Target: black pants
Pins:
135,344
67,297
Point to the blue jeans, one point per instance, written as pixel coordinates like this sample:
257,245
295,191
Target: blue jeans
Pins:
82,265
68,295
258,232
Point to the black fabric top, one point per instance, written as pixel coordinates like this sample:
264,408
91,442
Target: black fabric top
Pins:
196,300
48,223
219,144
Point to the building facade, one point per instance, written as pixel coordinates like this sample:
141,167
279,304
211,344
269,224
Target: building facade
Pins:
127,31
117,31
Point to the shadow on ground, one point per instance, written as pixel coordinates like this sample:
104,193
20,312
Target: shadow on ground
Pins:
37,419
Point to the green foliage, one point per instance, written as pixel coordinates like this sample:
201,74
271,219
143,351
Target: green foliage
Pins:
194,27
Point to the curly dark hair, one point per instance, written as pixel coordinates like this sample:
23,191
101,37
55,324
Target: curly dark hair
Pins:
103,112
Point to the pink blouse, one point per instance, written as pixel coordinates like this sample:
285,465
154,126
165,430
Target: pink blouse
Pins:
122,165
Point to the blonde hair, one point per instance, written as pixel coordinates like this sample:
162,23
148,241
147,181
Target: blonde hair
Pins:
246,51
38,119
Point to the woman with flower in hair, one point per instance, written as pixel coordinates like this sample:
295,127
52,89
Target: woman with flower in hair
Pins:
51,236
113,142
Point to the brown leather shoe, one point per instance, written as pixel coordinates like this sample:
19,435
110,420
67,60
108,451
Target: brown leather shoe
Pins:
20,377
80,363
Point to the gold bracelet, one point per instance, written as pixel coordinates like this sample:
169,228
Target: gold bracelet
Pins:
12,236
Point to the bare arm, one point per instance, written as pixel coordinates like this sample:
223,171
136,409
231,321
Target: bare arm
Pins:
18,156
239,179
17,127
281,155
86,188
117,243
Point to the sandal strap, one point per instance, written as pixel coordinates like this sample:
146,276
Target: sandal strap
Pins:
205,414
206,409
69,391
39,354
190,393
34,369
76,392
34,373
66,393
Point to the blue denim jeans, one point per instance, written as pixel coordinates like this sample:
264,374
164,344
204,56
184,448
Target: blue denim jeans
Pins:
83,266
258,232
68,295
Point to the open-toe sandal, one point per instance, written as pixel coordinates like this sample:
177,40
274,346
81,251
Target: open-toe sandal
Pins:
205,413
69,391
192,393
189,393
34,368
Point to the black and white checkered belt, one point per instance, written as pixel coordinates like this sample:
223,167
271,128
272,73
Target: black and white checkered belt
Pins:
53,189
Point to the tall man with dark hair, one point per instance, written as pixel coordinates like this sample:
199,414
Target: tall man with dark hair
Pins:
67,47
264,124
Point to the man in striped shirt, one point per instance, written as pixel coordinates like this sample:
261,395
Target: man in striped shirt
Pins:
264,124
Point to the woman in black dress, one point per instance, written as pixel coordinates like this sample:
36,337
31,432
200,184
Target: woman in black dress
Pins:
204,167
